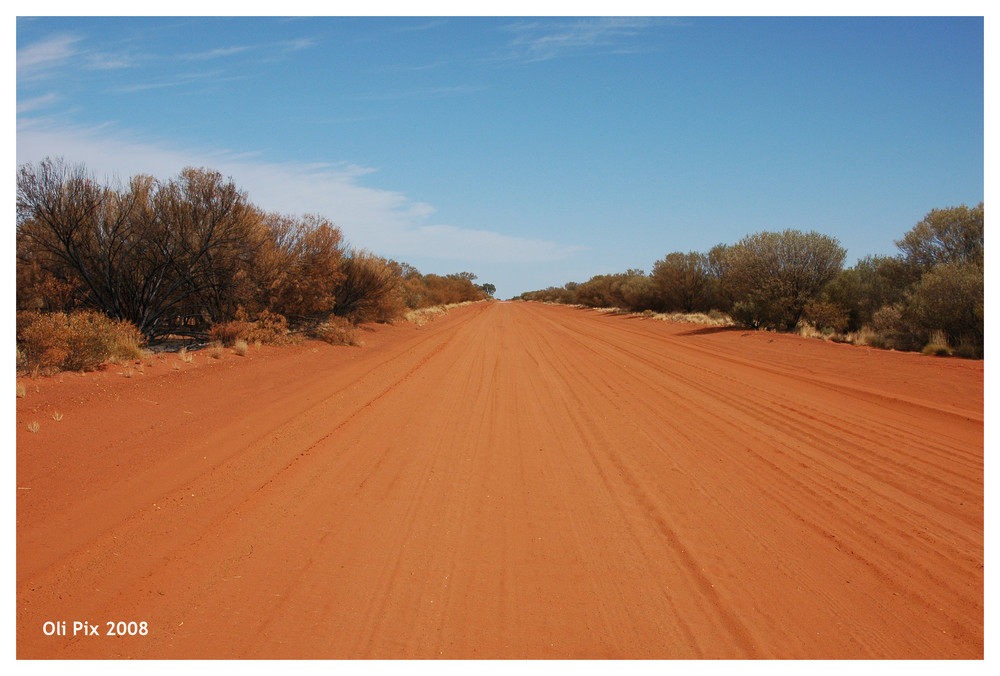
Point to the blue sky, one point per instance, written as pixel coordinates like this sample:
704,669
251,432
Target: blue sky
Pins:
531,151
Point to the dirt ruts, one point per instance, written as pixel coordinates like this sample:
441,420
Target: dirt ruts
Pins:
511,480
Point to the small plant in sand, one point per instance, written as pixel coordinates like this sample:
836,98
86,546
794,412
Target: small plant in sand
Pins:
240,347
129,371
185,356
215,351
33,427
21,390
57,416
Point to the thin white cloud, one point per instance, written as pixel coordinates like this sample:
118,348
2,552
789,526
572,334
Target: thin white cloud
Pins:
37,103
39,59
387,222
215,53
544,40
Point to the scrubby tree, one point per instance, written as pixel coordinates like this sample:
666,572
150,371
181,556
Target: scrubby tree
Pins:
683,282
145,253
946,236
947,248
949,298
370,289
872,283
304,268
771,276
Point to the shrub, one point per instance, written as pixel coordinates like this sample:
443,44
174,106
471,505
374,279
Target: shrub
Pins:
826,316
371,289
772,276
949,298
337,331
269,329
79,341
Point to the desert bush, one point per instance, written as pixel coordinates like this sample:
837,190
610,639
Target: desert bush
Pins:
866,336
80,341
772,276
269,328
370,290
872,283
684,282
953,236
337,331
148,252
241,347
949,298
306,266
825,315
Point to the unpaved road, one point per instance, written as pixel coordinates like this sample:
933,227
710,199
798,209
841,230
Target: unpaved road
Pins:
509,481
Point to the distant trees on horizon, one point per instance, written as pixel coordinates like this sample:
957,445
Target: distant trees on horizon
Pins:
931,294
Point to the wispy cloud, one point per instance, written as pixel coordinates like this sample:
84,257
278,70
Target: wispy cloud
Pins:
385,221
544,40
37,103
217,53
42,58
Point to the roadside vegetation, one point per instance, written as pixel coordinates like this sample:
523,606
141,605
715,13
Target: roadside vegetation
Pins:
929,297
106,270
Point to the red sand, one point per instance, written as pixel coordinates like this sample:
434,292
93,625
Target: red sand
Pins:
509,481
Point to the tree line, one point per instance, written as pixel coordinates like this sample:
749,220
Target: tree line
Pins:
929,295
179,256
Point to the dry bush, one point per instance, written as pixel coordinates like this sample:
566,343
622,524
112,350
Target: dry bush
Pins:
215,350
269,329
80,341
371,290
337,331
227,333
240,347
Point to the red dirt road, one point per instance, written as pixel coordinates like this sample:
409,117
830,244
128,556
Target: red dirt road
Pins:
509,481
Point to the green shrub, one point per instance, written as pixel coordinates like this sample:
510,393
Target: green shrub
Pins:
827,316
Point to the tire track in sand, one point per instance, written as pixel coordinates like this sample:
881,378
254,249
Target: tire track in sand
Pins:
521,481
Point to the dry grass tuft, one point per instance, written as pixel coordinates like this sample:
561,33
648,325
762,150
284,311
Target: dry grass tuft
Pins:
33,427
713,318
57,416
215,350
937,346
21,390
240,347
185,356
